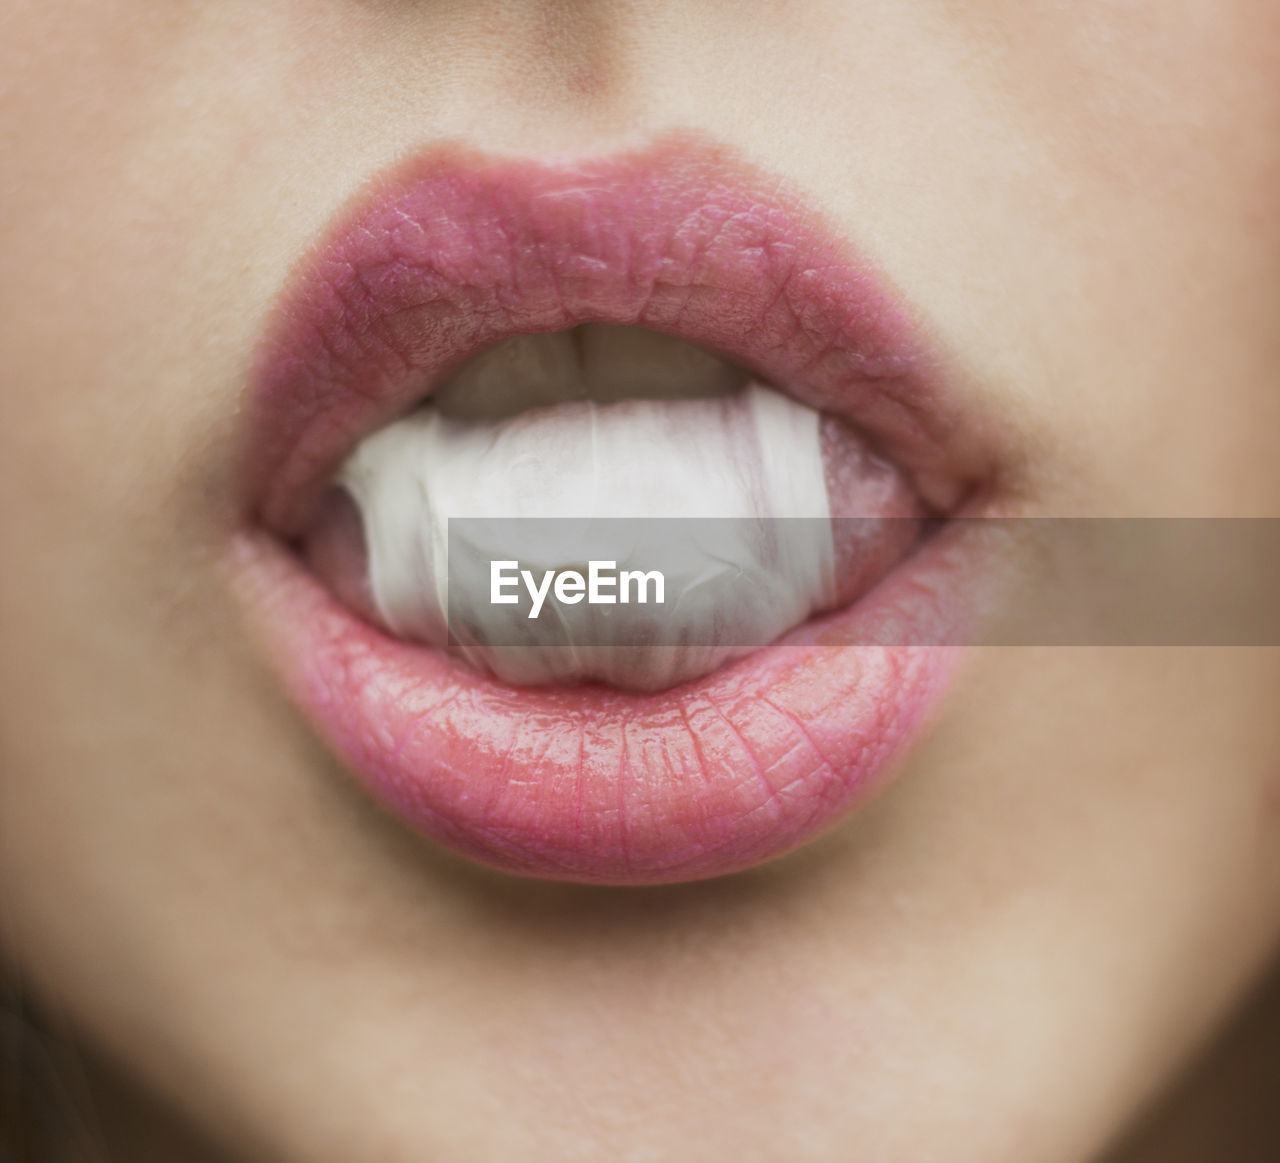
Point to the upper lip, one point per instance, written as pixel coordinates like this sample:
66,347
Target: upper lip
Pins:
421,272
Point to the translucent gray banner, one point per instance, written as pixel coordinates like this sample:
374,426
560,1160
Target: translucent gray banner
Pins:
645,582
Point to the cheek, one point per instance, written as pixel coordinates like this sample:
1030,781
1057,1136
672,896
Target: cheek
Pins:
1102,241
1172,163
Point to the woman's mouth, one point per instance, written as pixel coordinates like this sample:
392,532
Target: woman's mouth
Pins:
470,314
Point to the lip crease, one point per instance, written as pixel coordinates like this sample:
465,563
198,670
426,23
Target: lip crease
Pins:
456,250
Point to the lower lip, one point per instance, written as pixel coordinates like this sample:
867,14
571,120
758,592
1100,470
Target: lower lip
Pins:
605,787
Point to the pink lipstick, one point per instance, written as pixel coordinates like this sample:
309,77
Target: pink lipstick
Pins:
456,251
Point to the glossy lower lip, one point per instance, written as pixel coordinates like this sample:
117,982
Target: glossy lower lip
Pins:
455,251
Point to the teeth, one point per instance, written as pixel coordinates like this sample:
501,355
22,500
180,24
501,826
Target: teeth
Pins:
526,371
621,362
596,361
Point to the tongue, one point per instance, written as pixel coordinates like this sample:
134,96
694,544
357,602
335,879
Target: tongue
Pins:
735,579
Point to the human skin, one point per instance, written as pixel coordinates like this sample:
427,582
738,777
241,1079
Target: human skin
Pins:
1069,884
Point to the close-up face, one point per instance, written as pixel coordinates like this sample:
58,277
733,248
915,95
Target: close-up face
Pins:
331,859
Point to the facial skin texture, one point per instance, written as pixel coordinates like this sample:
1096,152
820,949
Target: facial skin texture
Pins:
1070,884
